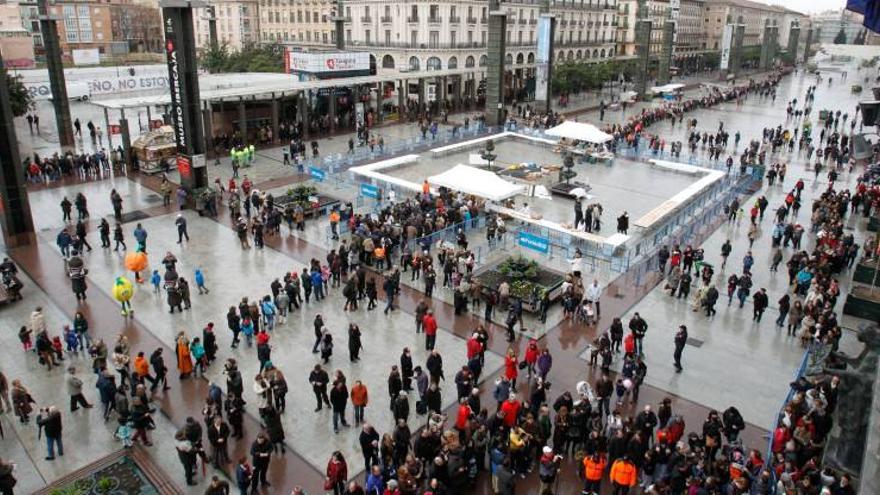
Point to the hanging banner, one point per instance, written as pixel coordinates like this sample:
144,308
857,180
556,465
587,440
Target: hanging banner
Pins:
726,40
542,59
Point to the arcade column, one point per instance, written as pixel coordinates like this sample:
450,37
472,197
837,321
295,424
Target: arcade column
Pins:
15,211
497,48
242,121
275,110
61,105
183,83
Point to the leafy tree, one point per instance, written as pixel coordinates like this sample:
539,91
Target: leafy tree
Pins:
19,96
251,58
840,39
215,57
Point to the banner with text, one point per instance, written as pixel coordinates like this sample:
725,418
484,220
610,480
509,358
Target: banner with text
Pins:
542,68
534,242
726,41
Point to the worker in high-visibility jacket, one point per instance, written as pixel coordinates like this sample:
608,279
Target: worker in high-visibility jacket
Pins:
624,474
594,467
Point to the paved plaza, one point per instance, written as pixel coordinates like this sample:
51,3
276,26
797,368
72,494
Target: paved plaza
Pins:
731,359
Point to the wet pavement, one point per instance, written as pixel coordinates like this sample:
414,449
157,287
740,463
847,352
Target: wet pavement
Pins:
737,362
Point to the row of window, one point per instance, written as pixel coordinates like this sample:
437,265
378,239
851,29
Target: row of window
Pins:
78,24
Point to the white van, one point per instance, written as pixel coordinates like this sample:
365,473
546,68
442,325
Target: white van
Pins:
78,90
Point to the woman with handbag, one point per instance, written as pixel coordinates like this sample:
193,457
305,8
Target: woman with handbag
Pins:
337,474
21,401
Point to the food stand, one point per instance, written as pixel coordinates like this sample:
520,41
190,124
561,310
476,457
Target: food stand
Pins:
154,147
580,138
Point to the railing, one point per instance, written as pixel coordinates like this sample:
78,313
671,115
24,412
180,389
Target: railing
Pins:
435,20
455,20
387,18
813,352
412,19
366,19
449,234
532,22
471,20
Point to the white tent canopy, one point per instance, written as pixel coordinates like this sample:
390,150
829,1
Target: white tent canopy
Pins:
482,183
580,131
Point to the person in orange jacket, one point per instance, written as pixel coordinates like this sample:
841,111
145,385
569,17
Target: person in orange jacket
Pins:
624,475
142,368
594,466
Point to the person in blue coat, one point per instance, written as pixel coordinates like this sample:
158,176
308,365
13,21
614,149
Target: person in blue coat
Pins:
200,282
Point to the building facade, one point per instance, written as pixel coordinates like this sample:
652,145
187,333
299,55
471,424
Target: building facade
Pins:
830,24
303,23
138,25
753,15
15,40
689,42
446,34
238,23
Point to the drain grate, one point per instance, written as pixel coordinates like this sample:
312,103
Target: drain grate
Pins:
694,342
619,296
153,199
134,216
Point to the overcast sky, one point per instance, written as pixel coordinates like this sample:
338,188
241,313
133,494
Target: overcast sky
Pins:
808,6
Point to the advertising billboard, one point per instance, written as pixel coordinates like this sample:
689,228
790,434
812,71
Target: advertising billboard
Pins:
89,56
317,63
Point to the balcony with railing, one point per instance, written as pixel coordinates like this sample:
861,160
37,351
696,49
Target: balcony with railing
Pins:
455,20
483,20
412,19
471,20
521,22
366,19
387,19
423,46
532,22
435,19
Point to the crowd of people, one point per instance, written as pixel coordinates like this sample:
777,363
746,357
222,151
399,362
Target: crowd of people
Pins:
526,427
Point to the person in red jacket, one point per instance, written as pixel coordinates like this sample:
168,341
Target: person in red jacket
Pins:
510,367
337,473
510,408
429,325
532,353
464,414
474,347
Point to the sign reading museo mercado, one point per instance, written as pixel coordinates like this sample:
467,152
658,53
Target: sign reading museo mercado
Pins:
534,242
542,68
174,83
